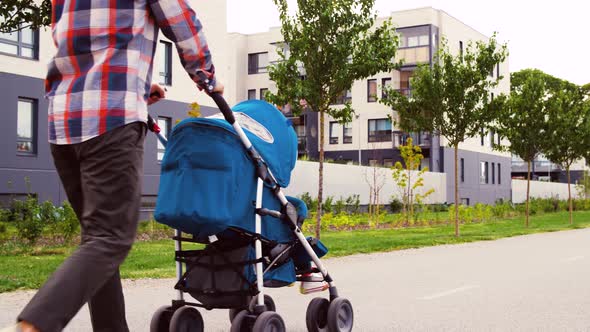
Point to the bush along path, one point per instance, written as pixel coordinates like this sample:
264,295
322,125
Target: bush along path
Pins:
28,267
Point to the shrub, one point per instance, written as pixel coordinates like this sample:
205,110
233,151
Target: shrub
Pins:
27,214
395,205
69,226
339,206
327,205
312,203
353,202
5,215
466,213
439,208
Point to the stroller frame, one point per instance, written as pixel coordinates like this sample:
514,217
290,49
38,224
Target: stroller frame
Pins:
288,214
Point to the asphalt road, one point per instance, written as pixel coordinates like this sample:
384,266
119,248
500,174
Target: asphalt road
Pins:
530,283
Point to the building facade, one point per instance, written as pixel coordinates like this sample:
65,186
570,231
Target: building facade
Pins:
371,138
242,65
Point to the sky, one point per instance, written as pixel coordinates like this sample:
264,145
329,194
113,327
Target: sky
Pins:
548,35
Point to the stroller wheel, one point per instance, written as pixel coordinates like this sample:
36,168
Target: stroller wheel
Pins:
187,319
316,317
269,321
268,302
161,319
241,322
340,315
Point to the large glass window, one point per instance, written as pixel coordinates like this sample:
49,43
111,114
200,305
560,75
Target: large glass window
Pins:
263,93
23,43
385,84
347,134
165,63
164,124
414,44
257,63
344,98
251,94
372,91
462,170
380,130
334,130
26,124
484,176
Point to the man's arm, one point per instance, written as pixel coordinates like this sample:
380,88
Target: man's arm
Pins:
179,23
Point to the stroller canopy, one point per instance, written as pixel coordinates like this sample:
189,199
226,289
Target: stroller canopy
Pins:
270,133
208,182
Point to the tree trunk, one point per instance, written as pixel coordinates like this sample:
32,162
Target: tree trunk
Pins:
528,192
321,178
569,194
456,191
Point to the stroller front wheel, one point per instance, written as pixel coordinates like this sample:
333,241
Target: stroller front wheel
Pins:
269,321
161,319
187,319
340,315
316,317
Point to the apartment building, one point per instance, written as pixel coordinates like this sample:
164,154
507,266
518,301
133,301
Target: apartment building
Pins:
371,138
26,165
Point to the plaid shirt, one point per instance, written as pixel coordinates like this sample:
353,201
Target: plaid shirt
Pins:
101,75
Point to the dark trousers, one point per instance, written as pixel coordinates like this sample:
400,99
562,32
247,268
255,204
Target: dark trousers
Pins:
102,179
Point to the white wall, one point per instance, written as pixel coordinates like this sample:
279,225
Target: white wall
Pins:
541,189
347,180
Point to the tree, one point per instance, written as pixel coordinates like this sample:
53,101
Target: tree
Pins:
451,97
567,129
402,176
521,118
18,14
330,45
375,177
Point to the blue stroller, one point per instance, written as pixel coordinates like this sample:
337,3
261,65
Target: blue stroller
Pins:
220,187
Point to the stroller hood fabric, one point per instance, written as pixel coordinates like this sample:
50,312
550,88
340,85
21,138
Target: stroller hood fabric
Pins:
270,133
208,181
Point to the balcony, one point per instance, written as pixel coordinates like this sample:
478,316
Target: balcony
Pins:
414,55
421,139
540,166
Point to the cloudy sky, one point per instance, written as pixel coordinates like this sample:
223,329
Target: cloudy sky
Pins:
549,35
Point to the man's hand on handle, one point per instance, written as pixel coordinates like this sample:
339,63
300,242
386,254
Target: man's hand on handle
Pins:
156,93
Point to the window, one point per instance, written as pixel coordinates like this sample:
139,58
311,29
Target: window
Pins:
23,43
251,94
499,139
462,170
484,179
263,94
388,162
373,162
165,63
347,134
26,126
345,97
299,130
493,173
164,124
461,48
491,137
499,174
334,129
372,91
380,130
257,63
498,70
465,201
385,84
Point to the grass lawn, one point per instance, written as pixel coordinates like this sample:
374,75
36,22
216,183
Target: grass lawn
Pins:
154,259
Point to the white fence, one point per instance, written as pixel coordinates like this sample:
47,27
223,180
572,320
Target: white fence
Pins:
347,180
540,189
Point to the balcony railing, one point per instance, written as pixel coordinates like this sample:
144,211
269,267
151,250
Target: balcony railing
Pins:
421,139
540,166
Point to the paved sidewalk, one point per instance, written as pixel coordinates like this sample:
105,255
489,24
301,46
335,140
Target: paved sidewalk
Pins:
528,283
